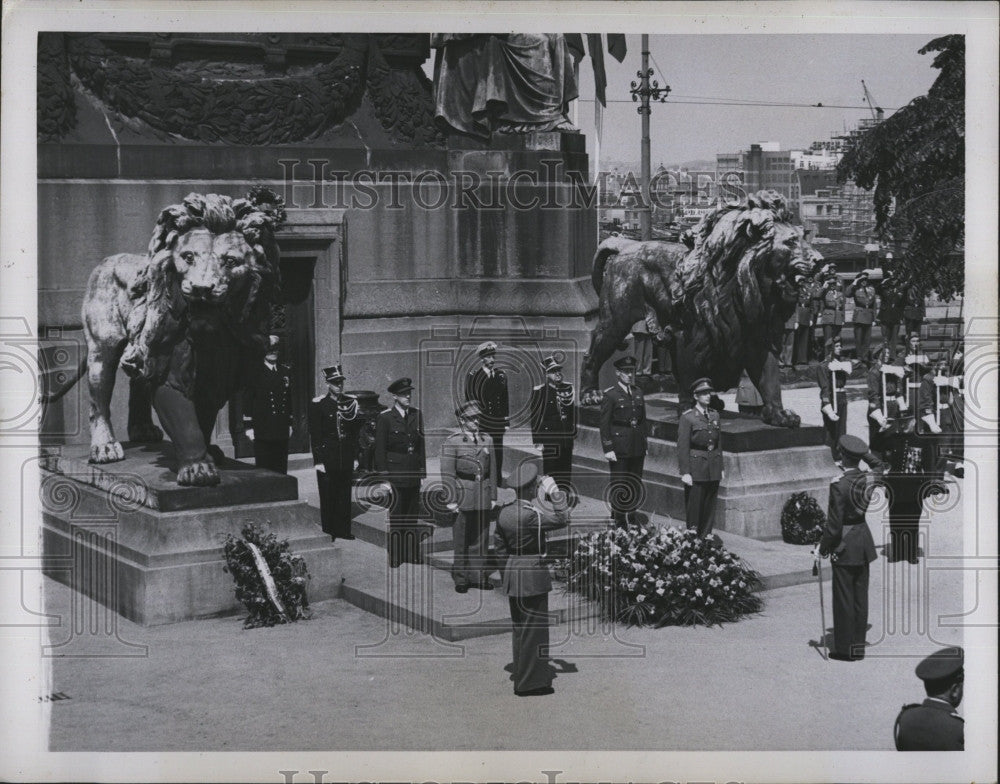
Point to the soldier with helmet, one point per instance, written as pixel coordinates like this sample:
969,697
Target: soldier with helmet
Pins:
553,423
699,457
487,386
623,437
267,410
334,426
934,725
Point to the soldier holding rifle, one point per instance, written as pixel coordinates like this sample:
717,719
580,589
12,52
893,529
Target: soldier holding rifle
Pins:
832,376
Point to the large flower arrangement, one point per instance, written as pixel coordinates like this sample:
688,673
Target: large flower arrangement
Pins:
663,577
270,580
802,520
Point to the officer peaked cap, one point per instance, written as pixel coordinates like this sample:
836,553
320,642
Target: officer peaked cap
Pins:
702,385
273,341
852,446
399,386
625,363
523,475
551,364
333,373
468,410
942,665
487,349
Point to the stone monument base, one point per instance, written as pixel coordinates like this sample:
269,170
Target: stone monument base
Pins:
127,536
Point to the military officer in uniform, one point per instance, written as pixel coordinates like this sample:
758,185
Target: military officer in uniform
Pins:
267,411
623,438
864,294
699,457
832,304
890,312
885,405
400,456
848,541
832,374
469,474
487,385
553,423
805,317
934,725
333,429
520,545
914,306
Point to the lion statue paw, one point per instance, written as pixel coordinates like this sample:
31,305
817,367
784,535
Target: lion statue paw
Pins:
200,473
111,452
780,417
145,434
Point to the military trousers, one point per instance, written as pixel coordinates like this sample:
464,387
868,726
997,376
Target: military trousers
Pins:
405,530
890,335
497,436
271,454
335,501
699,503
834,430
529,617
470,536
830,331
557,461
625,490
862,342
850,610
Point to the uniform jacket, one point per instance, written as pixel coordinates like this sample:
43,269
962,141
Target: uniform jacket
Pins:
267,403
892,387
932,726
825,379
623,421
520,545
846,537
548,419
335,450
399,446
832,304
891,310
492,396
806,306
699,450
914,306
864,302
468,470
927,397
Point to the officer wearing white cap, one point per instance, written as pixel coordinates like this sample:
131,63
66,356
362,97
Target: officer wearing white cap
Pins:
487,385
934,725
623,438
699,457
399,454
267,410
849,543
553,423
334,426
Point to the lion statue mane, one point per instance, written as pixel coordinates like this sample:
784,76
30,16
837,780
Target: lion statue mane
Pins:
185,321
722,298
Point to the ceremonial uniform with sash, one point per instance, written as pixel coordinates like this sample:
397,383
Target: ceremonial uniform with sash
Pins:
267,411
399,454
864,313
520,545
832,374
623,432
334,426
487,386
890,312
934,725
469,474
553,424
848,542
699,455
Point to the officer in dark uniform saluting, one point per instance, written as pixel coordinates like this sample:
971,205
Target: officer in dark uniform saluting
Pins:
267,411
699,457
934,725
333,429
848,542
623,438
520,545
553,423
399,454
487,386
890,312
832,302
864,294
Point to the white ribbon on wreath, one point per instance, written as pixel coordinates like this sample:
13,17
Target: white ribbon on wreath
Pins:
265,574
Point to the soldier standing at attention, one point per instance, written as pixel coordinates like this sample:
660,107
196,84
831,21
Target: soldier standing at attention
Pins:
848,542
470,476
699,457
934,725
914,305
890,312
267,411
487,385
520,544
832,376
333,430
863,292
553,424
623,437
832,304
399,454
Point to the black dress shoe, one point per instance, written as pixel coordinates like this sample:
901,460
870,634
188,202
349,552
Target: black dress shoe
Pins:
487,586
539,692
346,536
461,589
841,656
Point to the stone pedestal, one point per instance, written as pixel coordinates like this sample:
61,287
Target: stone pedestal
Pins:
127,536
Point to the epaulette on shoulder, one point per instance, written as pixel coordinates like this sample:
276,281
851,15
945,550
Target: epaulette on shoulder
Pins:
609,389
834,480
385,410
318,398
536,389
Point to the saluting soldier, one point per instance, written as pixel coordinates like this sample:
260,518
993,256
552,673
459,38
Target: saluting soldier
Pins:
553,423
333,429
848,541
487,385
914,305
267,410
934,725
520,545
470,477
832,374
699,457
864,294
399,454
890,312
833,304
623,438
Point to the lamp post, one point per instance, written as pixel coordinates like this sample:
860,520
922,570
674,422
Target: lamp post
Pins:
644,91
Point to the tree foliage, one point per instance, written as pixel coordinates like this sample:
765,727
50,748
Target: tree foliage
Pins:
915,160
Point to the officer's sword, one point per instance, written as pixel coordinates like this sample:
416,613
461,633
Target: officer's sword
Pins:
818,571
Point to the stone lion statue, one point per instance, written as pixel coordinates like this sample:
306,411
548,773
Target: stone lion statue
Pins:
185,320
722,298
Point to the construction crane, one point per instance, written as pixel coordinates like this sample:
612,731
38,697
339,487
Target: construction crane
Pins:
869,98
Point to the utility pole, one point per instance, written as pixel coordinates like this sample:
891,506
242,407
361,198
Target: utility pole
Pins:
643,91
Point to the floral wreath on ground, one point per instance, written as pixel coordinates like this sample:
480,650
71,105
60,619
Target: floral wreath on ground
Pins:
270,580
802,520
648,576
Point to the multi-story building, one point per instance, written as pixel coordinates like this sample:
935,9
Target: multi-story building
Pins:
765,166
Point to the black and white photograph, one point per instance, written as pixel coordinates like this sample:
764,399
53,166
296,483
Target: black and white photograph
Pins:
565,391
